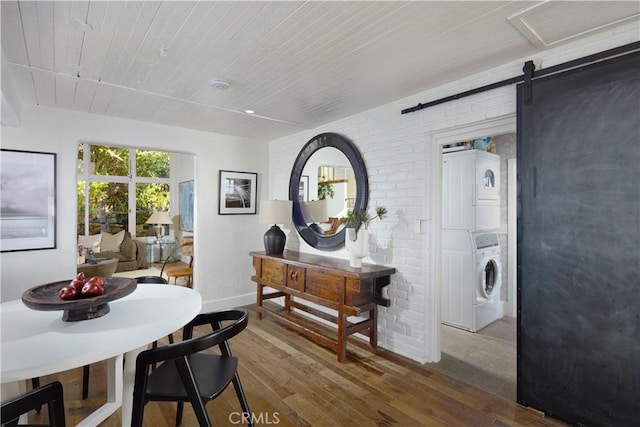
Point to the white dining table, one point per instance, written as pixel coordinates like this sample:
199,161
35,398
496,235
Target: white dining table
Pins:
37,343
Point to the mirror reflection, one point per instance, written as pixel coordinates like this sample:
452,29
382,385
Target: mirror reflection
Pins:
328,178
327,190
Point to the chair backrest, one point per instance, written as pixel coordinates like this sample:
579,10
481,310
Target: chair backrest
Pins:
187,249
152,279
218,336
50,394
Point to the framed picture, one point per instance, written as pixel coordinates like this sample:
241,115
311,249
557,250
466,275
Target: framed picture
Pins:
27,200
303,189
186,205
238,192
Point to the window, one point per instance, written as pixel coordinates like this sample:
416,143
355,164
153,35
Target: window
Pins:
118,188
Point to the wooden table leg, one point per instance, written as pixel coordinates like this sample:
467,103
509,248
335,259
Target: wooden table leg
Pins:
259,302
342,337
373,329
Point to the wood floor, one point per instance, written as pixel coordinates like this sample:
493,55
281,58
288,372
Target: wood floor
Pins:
291,381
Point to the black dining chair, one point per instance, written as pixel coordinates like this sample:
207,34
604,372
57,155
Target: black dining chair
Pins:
85,369
187,374
50,395
35,383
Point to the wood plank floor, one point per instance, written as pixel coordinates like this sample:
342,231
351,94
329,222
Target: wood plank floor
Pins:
291,381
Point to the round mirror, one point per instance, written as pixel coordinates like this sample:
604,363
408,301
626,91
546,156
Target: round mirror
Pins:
328,179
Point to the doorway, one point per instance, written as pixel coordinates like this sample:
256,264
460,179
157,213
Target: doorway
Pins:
485,358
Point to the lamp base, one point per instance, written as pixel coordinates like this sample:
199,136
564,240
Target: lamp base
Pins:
274,240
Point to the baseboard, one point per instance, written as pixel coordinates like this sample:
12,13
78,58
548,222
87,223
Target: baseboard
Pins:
226,303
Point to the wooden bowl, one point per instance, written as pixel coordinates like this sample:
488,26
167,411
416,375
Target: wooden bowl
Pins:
46,298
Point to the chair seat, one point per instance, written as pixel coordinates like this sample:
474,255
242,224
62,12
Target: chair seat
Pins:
181,272
212,374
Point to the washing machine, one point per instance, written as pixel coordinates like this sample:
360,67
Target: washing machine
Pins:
487,281
471,279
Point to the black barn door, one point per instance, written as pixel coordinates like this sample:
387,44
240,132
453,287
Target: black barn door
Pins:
579,245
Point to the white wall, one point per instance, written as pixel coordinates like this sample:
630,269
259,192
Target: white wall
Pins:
402,159
222,263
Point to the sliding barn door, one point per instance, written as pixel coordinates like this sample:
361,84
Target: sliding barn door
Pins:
579,244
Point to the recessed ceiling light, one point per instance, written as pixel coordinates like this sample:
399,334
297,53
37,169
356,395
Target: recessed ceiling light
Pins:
249,111
219,84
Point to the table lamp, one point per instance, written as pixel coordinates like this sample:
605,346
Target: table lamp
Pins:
275,212
158,219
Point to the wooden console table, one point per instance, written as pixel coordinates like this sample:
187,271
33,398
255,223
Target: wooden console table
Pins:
325,281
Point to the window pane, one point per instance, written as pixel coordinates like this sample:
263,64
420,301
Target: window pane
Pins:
152,164
150,197
80,163
81,208
108,207
111,161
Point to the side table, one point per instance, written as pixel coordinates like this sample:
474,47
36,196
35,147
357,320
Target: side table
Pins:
165,249
99,267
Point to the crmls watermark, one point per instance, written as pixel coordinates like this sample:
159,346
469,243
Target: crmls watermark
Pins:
266,418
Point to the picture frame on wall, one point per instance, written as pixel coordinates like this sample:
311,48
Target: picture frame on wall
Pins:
27,200
238,193
303,189
186,205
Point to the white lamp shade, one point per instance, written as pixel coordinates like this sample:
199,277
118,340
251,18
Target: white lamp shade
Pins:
159,217
275,211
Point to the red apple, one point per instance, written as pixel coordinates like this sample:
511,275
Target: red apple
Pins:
77,284
92,290
97,280
67,293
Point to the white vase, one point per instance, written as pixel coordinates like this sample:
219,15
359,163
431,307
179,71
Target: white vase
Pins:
358,248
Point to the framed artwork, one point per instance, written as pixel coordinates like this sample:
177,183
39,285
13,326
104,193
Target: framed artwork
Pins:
238,193
303,189
186,205
27,200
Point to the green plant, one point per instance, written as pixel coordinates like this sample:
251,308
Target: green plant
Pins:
324,189
357,219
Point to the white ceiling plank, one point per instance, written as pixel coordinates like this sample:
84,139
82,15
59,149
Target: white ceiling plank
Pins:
45,34
102,99
30,25
68,34
132,27
103,18
84,95
65,91
13,44
194,30
162,30
45,86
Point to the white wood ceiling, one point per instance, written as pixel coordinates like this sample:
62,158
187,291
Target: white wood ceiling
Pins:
297,64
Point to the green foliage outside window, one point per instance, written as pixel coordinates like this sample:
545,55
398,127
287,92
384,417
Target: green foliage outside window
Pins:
109,201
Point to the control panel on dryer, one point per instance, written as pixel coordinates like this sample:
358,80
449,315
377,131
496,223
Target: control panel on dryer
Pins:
486,240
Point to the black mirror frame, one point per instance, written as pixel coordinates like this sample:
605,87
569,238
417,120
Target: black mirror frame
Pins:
362,187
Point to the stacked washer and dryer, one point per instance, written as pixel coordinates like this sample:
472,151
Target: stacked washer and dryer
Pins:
471,269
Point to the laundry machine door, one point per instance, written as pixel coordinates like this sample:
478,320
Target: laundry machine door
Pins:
489,280
487,177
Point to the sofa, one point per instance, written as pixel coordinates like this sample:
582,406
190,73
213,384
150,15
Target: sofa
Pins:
130,253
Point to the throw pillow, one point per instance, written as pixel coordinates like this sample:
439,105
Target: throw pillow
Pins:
91,242
128,248
111,242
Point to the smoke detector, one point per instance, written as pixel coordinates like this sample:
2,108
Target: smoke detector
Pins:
219,84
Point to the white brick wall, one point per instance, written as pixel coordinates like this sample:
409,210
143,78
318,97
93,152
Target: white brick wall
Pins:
397,150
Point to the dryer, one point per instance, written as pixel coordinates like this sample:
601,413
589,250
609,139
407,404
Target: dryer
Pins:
471,279
470,190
